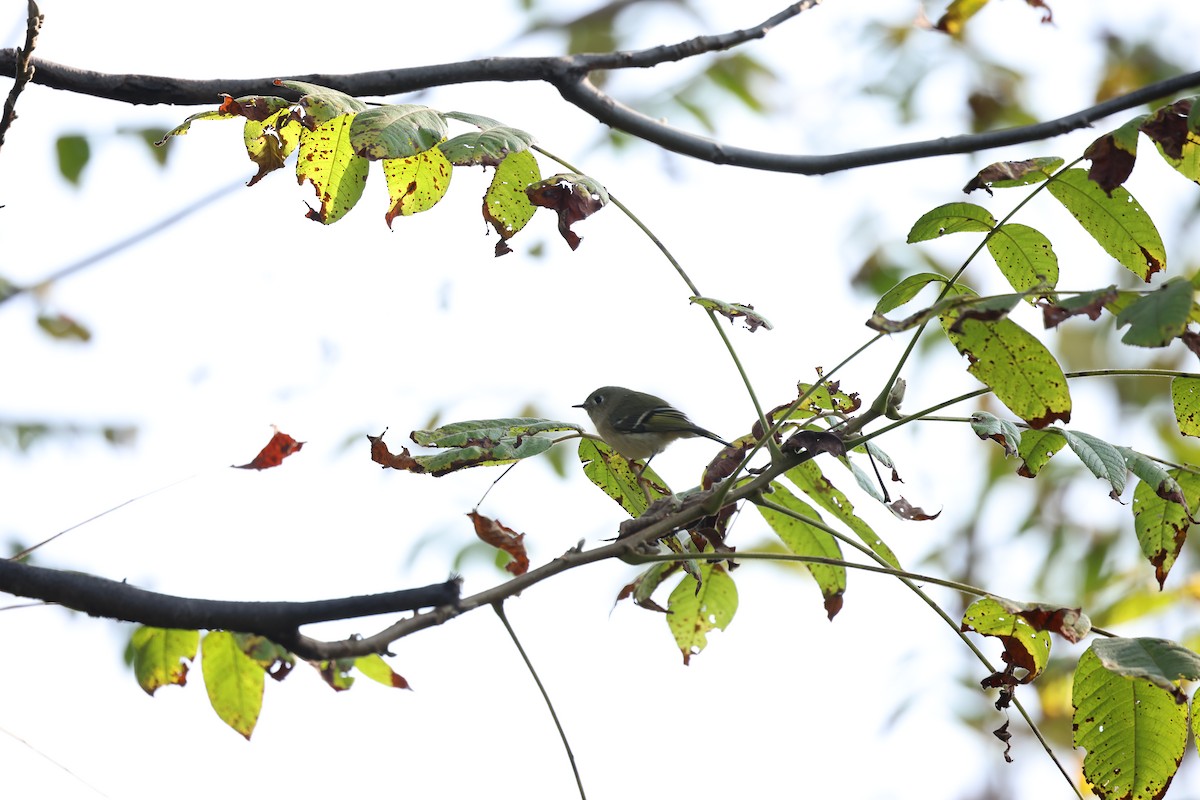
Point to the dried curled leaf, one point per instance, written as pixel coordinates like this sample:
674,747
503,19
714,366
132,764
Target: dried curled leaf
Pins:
498,535
280,447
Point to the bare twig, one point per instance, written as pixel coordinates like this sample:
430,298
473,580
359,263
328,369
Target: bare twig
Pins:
23,69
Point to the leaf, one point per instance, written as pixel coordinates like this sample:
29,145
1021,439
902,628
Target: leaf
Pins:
417,183
160,656
1069,623
182,128
643,586
989,426
954,20
269,142
572,196
378,670
1113,155
694,609
1018,368
321,104
280,447
732,311
806,540
472,443
1116,222
233,680
809,478
396,131
1134,732
951,218
63,327
487,147
614,475
506,207
906,290
488,431
1162,503
1036,449
1156,319
906,510
1101,458
1009,174
1025,647
1024,257
828,396
336,673
328,162
1173,133
498,535
1160,661
73,153
1185,398
1089,303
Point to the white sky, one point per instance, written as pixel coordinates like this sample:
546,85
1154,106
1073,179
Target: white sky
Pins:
248,314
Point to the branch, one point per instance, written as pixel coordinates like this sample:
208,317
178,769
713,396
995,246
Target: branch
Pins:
569,74
278,621
22,69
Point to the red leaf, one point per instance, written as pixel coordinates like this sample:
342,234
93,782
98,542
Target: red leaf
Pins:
498,535
280,447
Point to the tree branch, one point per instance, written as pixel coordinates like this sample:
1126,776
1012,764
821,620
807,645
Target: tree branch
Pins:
22,69
569,74
278,621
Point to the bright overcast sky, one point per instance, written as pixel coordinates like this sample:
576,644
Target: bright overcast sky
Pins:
248,315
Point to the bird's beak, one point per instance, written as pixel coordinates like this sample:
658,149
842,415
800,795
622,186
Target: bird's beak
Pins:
580,405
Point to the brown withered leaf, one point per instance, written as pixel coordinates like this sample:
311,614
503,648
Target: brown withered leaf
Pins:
1090,303
1112,164
815,442
572,197
256,107
1192,340
1010,173
1168,127
280,447
1003,735
905,510
726,462
1069,623
381,455
498,535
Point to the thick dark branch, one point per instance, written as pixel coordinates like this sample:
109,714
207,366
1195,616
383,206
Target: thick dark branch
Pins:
279,621
569,74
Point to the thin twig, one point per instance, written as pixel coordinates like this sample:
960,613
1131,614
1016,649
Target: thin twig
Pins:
498,607
23,73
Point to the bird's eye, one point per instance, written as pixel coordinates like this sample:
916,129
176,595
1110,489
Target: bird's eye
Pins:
598,398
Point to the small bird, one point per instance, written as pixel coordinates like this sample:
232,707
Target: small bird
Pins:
639,425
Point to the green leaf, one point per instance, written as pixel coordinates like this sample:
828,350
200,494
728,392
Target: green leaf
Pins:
73,153
989,426
1024,646
616,478
1185,397
417,183
61,326
1037,448
951,218
506,207
696,608
1117,222
270,141
732,311
906,290
1162,503
1134,732
1014,365
488,431
805,540
182,128
375,668
1025,257
159,656
234,681
150,137
1101,458
1162,662
396,131
809,478
321,104
1156,319
327,161
488,146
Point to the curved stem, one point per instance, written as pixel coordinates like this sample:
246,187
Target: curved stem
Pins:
498,607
